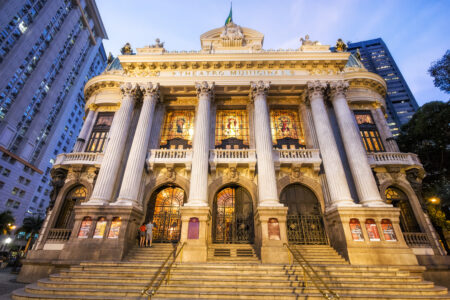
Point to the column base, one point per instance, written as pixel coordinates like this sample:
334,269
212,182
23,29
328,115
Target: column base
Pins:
376,203
270,203
346,203
270,234
196,203
361,245
126,202
96,202
194,232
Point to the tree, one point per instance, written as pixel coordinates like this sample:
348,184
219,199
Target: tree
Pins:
6,221
440,71
31,226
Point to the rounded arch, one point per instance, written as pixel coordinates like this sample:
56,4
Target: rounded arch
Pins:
76,195
300,200
232,215
310,183
398,198
216,185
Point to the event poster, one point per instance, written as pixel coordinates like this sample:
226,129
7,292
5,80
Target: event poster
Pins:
356,230
100,228
388,231
372,230
115,228
274,229
85,228
193,229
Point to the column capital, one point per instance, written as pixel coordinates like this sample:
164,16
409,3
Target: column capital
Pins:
315,88
338,88
128,89
204,88
150,90
259,87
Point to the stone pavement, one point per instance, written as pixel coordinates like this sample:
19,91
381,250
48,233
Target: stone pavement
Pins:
8,283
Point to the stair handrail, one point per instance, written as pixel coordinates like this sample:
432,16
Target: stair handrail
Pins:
327,293
158,285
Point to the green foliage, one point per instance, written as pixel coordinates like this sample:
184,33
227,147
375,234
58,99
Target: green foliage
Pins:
440,71
6,218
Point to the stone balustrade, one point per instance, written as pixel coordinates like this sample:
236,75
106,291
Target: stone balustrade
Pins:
393,158
417,239
79,158
301,157
58,235
229,157
164,157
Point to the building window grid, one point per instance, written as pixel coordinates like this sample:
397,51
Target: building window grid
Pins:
369,132
99,132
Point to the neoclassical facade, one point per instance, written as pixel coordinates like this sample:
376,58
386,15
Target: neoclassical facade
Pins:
234,144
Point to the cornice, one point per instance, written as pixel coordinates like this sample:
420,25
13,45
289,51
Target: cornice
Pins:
368,80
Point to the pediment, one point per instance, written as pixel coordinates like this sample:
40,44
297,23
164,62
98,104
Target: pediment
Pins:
232,37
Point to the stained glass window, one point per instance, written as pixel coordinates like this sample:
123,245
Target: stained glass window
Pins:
178,130
287,132
369,132
99,132
232,129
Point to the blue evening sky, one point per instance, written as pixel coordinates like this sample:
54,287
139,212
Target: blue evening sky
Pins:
417,32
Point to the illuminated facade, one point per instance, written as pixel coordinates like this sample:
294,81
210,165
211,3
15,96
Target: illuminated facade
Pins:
234,144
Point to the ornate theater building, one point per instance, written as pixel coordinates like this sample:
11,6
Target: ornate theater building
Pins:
237,154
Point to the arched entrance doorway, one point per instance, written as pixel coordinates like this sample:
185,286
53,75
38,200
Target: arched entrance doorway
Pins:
398,198
164,209
66,217
304,219
233,216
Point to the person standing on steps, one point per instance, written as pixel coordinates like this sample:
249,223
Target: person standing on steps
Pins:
149,238
142,235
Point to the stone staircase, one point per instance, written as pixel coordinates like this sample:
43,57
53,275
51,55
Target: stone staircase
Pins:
224,278
232,253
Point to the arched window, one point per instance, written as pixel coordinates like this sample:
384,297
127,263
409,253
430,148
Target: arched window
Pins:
66,216
300,200
398,198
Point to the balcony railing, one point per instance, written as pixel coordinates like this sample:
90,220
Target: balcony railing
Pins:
417,239
302,157
393,158
57,235
79,158
169,156
243,157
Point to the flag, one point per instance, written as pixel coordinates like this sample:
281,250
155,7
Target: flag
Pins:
230,16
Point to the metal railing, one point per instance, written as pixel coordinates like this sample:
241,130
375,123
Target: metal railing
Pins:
318,282
57,234
151,288
306,230
416,239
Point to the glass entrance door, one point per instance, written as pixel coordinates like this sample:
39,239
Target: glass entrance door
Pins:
233,216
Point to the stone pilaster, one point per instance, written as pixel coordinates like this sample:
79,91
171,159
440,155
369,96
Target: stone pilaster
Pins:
267,185
113,154
198,195
83,136
366,186
337,182
136,159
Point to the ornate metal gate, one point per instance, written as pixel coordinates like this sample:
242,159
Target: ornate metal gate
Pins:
166,214
306,230
233,216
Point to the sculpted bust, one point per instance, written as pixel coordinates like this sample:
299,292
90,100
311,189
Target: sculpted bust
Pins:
307,42
232,32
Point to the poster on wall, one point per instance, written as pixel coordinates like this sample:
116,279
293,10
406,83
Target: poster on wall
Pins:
85,228
388,230
372,230
356,230
100,228
115,228
274,229
193,229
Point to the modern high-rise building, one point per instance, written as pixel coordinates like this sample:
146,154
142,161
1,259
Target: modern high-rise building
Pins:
400,102
48,51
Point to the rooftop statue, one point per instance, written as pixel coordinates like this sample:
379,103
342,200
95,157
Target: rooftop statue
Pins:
341,46
157,44
232,32
358,54
307,42
126,49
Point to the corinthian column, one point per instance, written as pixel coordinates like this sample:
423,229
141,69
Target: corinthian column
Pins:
366,186
337,182
198,195
82,137
267,185
113,154
135,165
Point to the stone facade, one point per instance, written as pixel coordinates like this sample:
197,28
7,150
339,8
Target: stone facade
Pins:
289,148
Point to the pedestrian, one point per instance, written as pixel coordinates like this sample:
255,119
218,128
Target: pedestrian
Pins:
149,238
142,235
